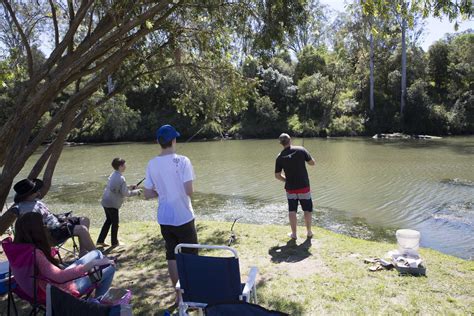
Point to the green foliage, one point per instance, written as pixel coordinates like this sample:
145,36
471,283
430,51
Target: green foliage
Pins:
310,61
346,126
438,66
111,122
317,96
234,73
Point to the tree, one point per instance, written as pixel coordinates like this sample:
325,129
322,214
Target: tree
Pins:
406,11
311,27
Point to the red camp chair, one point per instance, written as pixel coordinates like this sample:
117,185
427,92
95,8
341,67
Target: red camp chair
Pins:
23,276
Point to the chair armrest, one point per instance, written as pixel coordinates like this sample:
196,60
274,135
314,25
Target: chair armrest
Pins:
94,270
250,281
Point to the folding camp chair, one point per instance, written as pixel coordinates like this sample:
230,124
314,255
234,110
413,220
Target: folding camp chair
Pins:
60,303
206,280
60,243
24,275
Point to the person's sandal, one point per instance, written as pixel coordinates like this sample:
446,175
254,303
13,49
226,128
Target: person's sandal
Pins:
376,267
292,236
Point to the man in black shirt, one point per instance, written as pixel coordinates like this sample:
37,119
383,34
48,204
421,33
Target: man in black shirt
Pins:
292,160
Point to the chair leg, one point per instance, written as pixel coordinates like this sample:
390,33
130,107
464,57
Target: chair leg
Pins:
60,258
11,302
75,248
182,309
254,294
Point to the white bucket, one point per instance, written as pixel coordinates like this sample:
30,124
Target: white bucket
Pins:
408,241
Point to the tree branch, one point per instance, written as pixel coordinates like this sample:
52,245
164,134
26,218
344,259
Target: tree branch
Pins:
71,20
55,23
24,39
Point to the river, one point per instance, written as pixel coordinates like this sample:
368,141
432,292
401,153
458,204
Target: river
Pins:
361,187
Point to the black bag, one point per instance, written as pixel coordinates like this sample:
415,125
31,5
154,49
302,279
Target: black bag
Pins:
238,309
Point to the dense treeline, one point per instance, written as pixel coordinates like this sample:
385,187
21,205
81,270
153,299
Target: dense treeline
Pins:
314,84
320,90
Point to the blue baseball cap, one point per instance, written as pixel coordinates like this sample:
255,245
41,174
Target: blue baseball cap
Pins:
166,133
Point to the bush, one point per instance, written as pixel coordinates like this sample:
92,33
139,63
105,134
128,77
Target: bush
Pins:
346,125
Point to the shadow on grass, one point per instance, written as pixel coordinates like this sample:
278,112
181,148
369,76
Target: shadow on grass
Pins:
214,237
291,252
282,304
149,281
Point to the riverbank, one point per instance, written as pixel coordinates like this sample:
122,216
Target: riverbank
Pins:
326,275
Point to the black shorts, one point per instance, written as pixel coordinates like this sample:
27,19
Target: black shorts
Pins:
305,201
63,233
174,235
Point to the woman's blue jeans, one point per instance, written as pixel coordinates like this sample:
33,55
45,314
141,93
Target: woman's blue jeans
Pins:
84,284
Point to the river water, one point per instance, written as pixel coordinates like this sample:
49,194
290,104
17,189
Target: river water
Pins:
361,187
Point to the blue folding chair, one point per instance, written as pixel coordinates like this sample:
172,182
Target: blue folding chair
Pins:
207,280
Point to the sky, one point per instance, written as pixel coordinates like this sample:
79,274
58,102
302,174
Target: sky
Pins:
435,28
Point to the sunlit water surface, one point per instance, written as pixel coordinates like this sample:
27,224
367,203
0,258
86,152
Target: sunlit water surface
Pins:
361,187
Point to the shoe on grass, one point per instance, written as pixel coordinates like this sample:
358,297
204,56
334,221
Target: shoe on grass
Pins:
102,244
292,236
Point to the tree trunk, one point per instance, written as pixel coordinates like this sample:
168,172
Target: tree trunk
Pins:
56,152
404,69
39,165
371,96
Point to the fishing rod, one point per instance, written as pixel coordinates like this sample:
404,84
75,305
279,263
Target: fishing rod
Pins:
140,182
233,237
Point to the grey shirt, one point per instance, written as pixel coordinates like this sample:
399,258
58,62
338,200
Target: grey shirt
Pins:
116,190
49,219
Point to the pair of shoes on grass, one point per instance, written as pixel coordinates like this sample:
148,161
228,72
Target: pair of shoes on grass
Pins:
293,236
378,264
104,245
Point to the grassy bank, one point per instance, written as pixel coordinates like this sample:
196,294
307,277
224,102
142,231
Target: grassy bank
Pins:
325,275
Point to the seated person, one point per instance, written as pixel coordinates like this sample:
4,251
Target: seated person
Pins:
27,199
29,229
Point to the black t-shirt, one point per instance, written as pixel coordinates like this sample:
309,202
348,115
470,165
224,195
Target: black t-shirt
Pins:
293,161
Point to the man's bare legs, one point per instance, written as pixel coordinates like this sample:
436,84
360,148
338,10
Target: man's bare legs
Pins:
173,272
85,221
293,221
307,221
85,241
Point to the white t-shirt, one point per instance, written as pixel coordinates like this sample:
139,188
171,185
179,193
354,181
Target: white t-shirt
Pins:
166,175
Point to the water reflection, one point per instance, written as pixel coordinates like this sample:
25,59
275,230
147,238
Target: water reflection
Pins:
361,187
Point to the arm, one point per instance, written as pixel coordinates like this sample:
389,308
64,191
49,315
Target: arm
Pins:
150,194
279,170
308,158
188,188
7,219
188,176
60,276
280,177
55,274
125,191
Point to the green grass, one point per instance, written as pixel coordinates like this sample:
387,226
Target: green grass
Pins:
323,276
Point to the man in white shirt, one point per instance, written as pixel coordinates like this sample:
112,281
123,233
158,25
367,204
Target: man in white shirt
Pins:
169,177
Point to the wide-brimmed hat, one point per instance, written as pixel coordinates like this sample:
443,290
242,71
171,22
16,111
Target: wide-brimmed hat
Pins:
25,188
